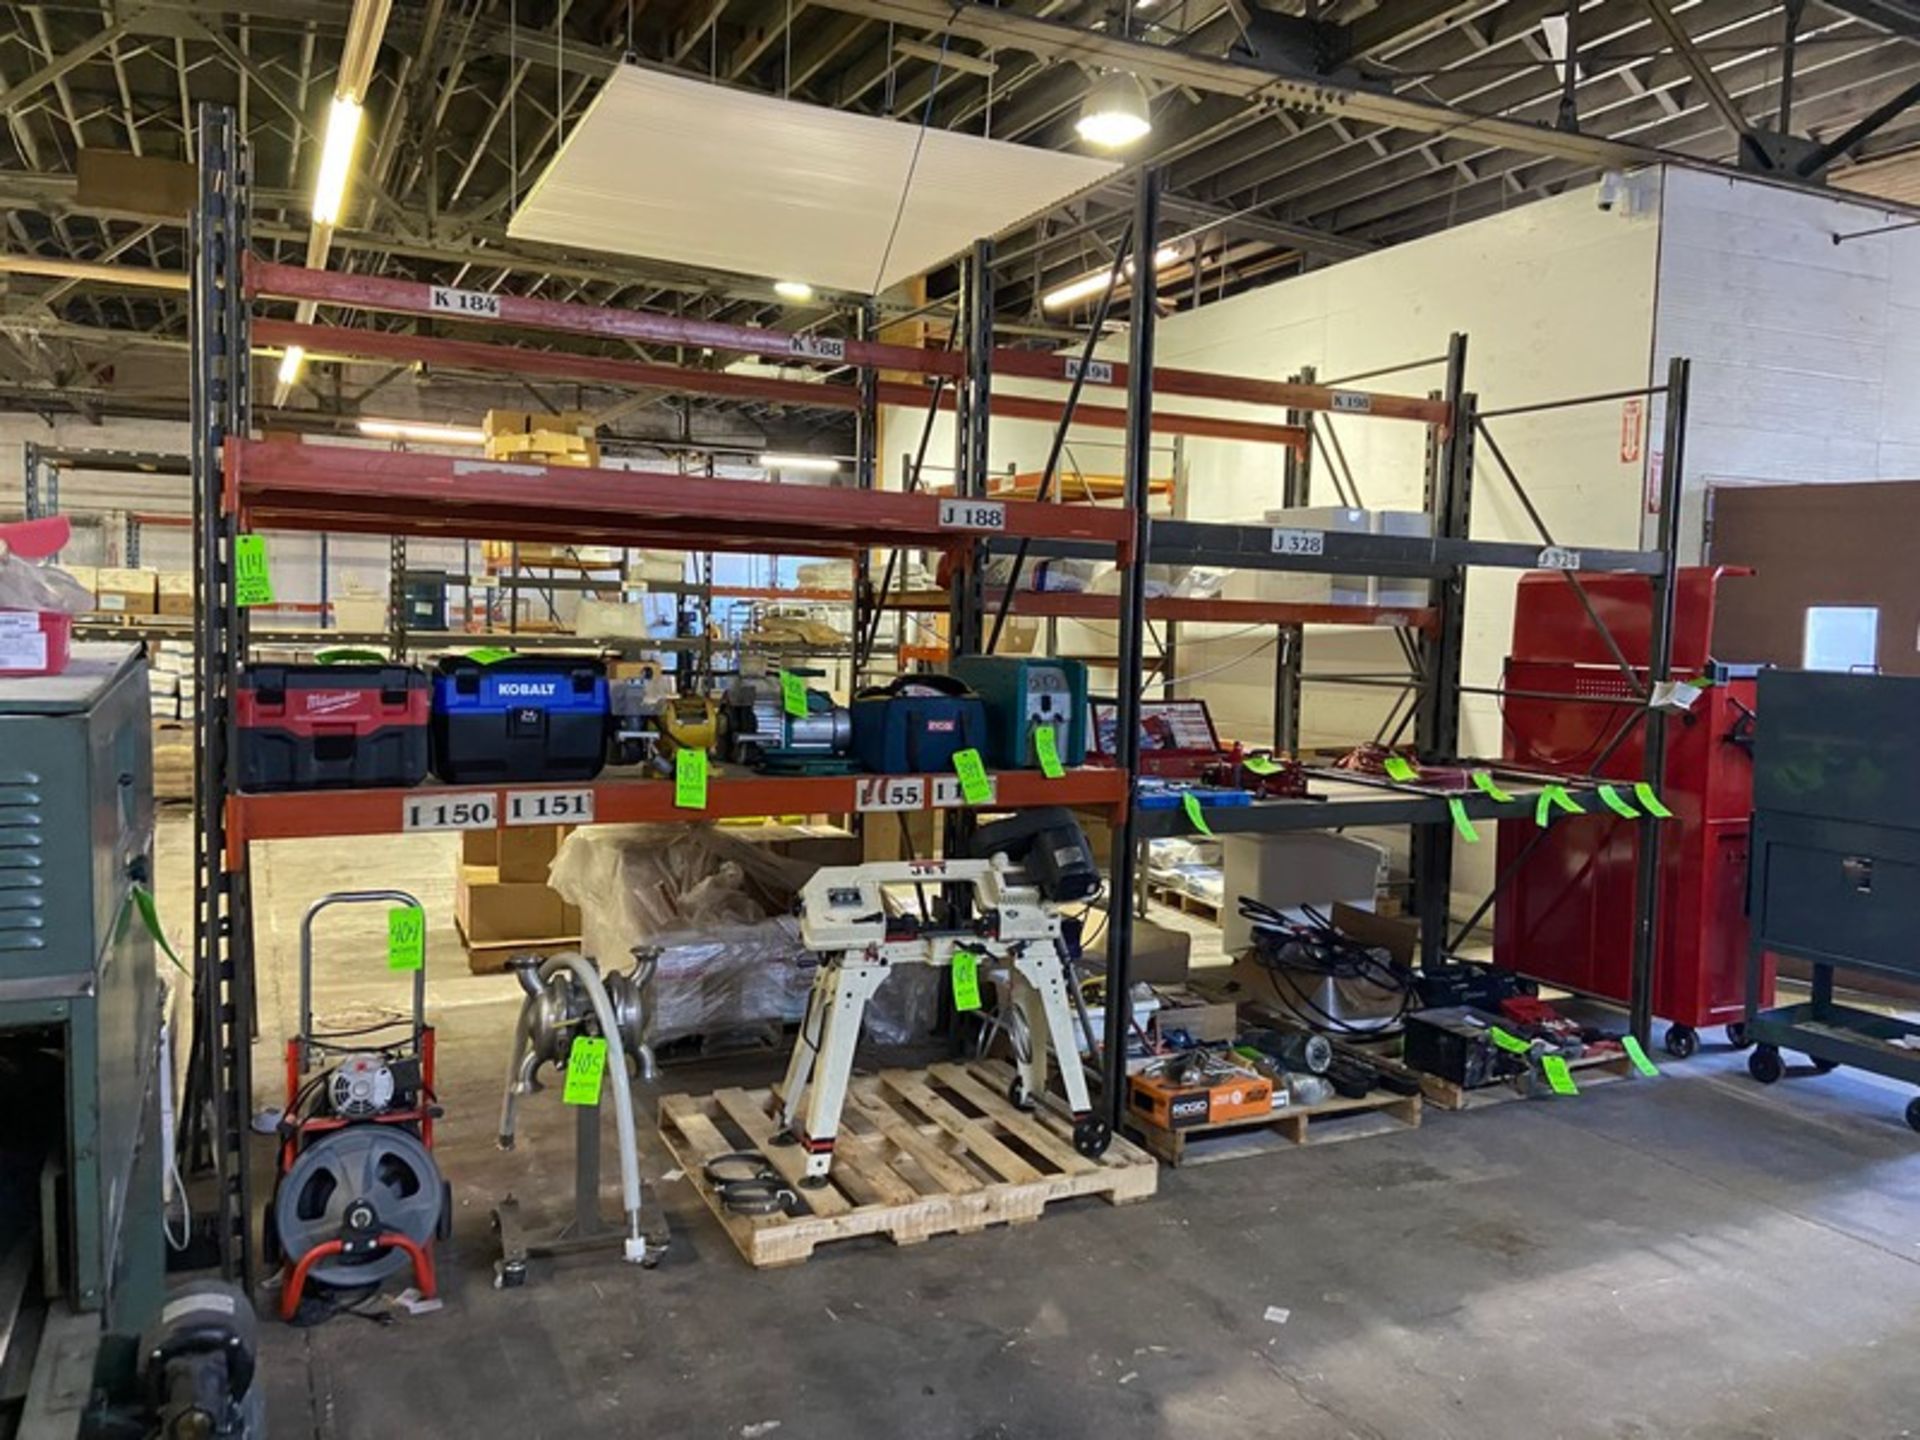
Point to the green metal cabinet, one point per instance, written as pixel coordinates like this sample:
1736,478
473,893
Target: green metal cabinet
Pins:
77,964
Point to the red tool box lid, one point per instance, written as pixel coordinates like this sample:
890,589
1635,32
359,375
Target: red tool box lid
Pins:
1549,622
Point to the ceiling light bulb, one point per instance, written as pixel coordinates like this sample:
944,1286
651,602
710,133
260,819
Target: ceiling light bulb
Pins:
796,290
290,363
1114,113
336,162
822,464
422,430
1089,285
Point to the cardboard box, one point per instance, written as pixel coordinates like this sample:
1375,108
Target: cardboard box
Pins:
360,614
87,577
1161,956
491,911
175,593
1211,1022
127,592
1155,1101
500,424
598,619
525,852
479,847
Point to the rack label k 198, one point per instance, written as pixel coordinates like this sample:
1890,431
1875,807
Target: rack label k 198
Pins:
1299,542
450,810
549,807
973,515
890,792
445,300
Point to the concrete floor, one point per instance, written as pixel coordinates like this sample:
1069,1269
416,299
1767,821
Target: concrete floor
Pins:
1688,1257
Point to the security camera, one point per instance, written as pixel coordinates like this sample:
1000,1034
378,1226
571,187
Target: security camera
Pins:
1613,189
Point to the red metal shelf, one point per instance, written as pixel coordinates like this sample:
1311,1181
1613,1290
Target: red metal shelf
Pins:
284,485
291,815
1071,605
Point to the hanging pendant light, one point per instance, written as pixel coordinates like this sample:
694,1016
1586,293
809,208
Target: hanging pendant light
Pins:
1115,113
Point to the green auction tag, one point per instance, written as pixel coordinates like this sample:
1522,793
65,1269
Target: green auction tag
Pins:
1650,802
689,778
1559,796
1461,822
1543,809
1638,1055
975,788
586,1067
489,655
349,655
1512,1044
1398,769
406,938
966,980
252,581
1046,749
1196,813
150,917
1260,765
1611,798
1485,781
793,694
1554,1067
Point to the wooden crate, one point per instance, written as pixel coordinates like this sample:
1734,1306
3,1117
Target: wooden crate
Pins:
920,1153
1380,1113
1590,1070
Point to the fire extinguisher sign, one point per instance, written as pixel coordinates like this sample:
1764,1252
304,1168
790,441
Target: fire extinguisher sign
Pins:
1633,415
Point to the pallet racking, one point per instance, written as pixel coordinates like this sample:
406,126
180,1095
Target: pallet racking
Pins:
241,482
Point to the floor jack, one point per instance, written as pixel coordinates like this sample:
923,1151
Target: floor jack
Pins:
1016,930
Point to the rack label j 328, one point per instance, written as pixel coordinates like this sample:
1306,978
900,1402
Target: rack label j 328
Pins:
445,300
973,515
549,807
450,811
1299,542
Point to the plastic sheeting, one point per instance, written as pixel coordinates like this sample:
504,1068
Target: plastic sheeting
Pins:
678,169
718,911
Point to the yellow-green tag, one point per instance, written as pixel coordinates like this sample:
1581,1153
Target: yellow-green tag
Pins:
1559,796
1543,809
793,694
1196,813
489,655
975,788
1650,802
252,581
689,779
966,980
1611,798
1398,769
1638,1055
1260,765
406,938
1046,749
586,1067
1485,781
1512,1044
1461,822
1554,1067
150,917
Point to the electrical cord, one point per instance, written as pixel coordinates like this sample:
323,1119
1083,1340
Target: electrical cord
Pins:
1319,950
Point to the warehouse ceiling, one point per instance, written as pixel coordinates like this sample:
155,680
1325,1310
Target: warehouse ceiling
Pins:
1289,135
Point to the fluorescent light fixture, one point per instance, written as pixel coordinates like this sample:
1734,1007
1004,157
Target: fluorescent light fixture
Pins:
796,290
336,161
290,363
423,431
819,464
1114,114
1087,286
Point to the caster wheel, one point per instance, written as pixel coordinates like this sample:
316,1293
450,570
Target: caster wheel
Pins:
1764,1064
1824,1067
1913,1114
1737,1035
443,1227
1017,1095
1681,1041
1092,1136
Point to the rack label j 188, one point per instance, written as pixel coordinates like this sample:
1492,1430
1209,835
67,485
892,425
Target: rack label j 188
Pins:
1557,557
549,807
450,811
890,792
973,515
445,300
1299,542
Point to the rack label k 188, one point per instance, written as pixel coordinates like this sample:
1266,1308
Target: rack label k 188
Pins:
445,300
973,515
1299,542
450,810
890,792
817,347
549,807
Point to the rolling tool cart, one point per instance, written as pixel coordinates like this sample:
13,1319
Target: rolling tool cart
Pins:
359,1198
305,727
1836,867
521,718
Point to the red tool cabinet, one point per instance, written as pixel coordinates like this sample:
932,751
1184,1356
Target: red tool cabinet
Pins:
1566,914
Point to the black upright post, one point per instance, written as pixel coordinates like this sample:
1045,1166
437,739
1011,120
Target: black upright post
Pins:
1646,892
866,476
1133,629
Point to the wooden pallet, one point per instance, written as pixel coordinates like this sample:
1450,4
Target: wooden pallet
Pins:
1184,902
1591,1070
1380,1113
920,1153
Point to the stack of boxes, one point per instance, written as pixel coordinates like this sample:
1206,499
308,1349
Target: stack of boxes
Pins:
540,437
502,902
171,684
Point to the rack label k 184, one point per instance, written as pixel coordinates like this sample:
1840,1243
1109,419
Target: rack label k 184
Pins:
445,300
